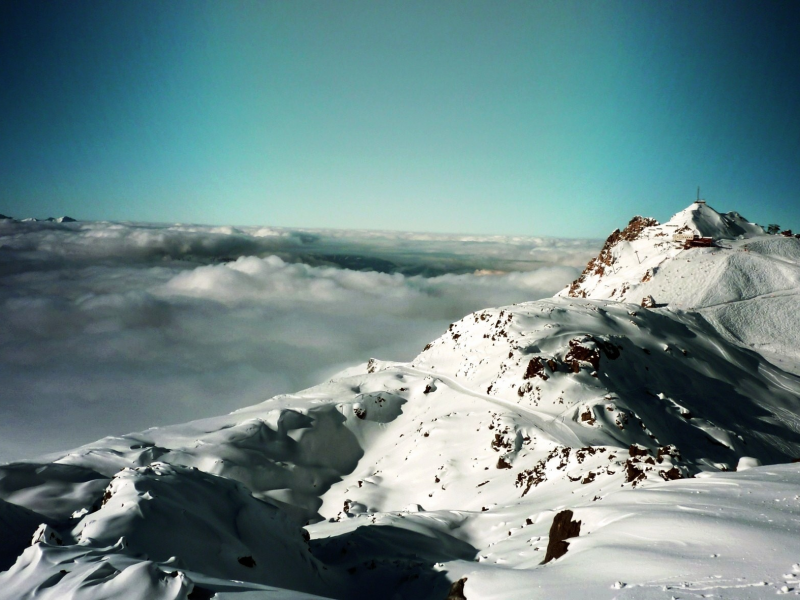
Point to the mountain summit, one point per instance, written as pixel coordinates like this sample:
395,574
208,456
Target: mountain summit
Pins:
604,443
636,253
703,220
716,264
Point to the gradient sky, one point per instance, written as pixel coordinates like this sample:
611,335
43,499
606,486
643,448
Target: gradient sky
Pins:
539,118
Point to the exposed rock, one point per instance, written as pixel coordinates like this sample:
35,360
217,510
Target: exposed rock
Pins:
457,590
638,450
598,265
579,353
668,451
587,417
633,474
563,527
247,561
673,473
535,369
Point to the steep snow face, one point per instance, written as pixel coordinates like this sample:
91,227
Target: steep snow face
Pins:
158,508
614,374
177,518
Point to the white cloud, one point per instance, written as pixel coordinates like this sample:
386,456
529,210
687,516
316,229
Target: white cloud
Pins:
109,328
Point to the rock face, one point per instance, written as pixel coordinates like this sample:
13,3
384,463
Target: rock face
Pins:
410,479
606,260
562,529
457,590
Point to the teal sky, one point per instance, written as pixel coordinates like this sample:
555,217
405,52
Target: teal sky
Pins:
534,118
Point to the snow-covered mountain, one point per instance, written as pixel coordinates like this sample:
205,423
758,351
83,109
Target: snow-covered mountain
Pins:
747,283
583,446
64,219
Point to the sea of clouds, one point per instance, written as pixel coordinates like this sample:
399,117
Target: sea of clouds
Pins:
107,328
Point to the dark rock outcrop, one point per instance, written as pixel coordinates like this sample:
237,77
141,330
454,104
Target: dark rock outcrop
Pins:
457,590
599,264
563,528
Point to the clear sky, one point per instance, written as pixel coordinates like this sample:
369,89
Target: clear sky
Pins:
535,118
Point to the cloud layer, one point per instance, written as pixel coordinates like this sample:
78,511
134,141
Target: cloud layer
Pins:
108,328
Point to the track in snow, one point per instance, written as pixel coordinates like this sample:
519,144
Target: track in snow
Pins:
551,426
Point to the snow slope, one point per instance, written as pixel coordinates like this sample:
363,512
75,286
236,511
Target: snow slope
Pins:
402,480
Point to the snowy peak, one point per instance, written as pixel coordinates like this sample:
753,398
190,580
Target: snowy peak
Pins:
704,221
745,281
634,256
